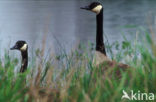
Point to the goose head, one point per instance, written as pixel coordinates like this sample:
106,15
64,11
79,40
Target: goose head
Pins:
20,45
95,7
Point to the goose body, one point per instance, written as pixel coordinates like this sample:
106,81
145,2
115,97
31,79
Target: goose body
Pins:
99,58
22,46
100,53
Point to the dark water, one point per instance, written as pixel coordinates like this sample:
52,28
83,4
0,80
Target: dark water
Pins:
63,23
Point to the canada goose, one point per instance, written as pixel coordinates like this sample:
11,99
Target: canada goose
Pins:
98,9
23,47
100,53
101,56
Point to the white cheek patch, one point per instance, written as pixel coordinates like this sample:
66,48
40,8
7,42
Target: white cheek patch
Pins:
24,47
97,9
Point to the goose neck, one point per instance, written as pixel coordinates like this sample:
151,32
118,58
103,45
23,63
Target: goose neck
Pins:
24,60
99,33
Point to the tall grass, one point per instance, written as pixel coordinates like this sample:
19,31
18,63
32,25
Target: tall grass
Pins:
73,77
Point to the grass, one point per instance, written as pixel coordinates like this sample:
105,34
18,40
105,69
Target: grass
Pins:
73,77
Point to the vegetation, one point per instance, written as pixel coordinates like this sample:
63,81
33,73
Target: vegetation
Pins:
73,77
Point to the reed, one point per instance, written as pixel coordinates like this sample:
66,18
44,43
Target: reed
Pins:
75,78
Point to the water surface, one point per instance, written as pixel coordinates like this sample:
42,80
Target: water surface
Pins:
64,23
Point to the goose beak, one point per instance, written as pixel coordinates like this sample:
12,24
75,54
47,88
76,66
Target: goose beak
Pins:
85,8
14,47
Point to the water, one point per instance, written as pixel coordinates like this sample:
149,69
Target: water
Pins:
62,21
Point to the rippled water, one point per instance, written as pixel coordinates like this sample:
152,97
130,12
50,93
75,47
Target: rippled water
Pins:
63,23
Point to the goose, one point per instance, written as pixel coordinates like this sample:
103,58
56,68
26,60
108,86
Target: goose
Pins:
100,53
22,46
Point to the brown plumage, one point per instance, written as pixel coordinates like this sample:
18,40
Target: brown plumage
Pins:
107,65
113,68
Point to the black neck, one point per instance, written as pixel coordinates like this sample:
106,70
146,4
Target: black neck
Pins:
99,33
24,61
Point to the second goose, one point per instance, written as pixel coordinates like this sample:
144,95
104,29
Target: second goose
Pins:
23,47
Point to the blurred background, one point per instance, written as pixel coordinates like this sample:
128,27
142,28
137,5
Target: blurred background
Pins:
62,22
